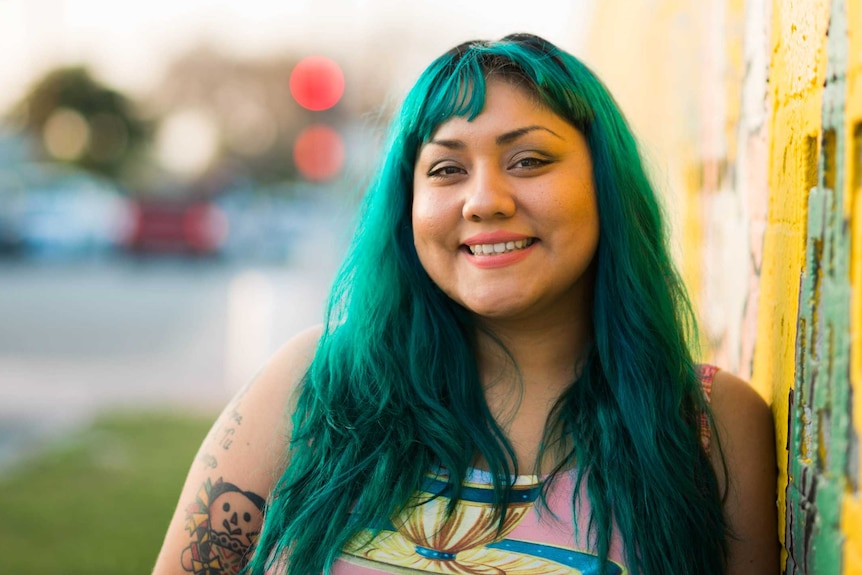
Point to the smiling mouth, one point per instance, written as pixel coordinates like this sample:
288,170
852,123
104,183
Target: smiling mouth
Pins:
500,248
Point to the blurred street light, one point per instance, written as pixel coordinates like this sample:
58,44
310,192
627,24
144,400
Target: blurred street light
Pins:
319,153
187,142
66,134
317,83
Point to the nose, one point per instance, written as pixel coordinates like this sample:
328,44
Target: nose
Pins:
489,196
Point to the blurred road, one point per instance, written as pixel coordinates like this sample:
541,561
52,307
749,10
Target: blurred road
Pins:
76,339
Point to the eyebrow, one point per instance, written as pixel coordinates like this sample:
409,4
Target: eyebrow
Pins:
501,140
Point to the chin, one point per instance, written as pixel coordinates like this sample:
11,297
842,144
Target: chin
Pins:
499,310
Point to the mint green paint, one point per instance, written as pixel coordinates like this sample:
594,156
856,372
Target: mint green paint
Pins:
819,413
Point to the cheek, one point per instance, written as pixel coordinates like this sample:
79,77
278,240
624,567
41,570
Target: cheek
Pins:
582,207
433,235
432,222
574,220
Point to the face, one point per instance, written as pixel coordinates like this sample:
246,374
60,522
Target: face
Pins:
505,219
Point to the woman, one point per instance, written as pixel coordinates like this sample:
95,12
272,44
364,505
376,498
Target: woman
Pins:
504,381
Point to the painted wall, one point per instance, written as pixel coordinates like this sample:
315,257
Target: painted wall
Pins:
751,111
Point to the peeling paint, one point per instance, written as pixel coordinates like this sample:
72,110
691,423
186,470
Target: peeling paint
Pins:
794,127
819,406
771,188
851,520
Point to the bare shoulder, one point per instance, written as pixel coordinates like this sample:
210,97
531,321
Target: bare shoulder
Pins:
740,412
277,382
220,509
264,407
744,425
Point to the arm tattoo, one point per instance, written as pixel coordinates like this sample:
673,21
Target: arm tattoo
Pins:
222,433
224,523
208,460
227,438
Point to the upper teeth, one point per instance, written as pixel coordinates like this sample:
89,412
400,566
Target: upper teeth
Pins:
501,248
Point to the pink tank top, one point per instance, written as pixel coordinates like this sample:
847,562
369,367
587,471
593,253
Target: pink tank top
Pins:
535,540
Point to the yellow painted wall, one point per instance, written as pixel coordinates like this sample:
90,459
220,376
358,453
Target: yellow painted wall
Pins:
797,71
660,102
852,510
706,143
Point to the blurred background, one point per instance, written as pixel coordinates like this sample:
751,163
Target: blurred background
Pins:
178,181
177,184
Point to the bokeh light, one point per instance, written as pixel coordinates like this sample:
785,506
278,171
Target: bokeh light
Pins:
66,134
317,83
187,141
319,153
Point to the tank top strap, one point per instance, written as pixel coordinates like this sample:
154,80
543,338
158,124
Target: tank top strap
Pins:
706,373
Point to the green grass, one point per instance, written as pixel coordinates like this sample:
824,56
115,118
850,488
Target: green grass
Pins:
100,500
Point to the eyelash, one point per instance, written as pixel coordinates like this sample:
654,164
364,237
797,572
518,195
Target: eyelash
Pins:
533,163
439,172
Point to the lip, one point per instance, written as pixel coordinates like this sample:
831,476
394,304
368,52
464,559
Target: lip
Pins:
500,260
494,238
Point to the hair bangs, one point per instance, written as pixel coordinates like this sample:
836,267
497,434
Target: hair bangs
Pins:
457,90
456,84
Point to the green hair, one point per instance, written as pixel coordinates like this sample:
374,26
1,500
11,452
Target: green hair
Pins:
394,390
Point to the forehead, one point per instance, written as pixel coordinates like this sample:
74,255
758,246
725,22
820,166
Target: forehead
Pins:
506,106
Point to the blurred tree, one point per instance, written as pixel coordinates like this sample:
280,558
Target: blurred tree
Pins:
79,120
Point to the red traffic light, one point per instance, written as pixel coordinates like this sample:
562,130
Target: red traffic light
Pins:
317,83
318,153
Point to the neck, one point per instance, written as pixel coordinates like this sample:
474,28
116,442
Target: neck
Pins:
540,352
527,363
523,385
543,352
536,348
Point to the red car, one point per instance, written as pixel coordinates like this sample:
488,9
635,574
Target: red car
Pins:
159,226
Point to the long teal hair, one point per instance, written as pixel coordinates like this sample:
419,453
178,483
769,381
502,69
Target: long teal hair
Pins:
394,389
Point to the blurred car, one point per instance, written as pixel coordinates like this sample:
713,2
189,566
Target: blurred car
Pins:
58,212
11,205
158,226
263,227
14,151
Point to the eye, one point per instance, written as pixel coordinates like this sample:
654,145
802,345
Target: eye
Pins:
444,171
226,506
529,162
246,516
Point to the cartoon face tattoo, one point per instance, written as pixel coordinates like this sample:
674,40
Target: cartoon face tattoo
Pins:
224,523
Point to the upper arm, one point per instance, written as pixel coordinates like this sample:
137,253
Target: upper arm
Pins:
744,425
220,509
